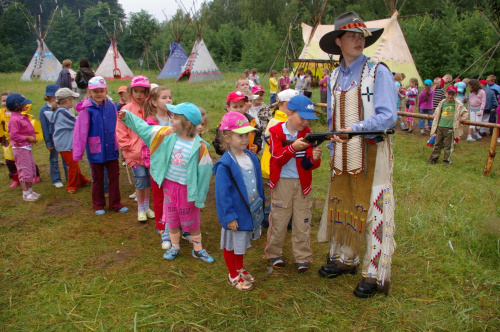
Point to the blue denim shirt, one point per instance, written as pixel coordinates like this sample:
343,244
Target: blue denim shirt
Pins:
385,96
289,170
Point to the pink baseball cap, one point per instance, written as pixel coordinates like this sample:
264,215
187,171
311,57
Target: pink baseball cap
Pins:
97,82
235,97
235,122
141,81
257,88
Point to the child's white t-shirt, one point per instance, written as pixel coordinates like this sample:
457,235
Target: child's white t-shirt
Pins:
177,170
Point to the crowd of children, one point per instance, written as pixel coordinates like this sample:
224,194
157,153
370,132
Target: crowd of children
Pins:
162,145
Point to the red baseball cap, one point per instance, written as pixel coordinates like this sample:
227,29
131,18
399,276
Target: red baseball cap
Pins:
483,82
235,97
451,88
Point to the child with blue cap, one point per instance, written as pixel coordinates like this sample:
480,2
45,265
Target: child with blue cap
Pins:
290,181
180,161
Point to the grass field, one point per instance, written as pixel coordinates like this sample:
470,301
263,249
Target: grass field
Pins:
63,268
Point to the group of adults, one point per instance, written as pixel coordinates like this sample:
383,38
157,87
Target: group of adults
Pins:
76,81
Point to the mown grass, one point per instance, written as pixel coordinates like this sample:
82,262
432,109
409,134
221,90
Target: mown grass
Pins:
63,268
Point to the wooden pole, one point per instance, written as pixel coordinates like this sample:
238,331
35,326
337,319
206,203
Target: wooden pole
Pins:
491,152
465,122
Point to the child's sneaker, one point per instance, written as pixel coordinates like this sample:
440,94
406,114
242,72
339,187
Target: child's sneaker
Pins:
477,136
29,197
142,217
246,276
36,179
302,267
203,255
150,214
239,283
171,253
123,209
470,139
277,262
100,212
37,195
14,184
134,195
165,245
58,185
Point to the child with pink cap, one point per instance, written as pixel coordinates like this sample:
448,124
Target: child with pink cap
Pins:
95,132
131,146
238,194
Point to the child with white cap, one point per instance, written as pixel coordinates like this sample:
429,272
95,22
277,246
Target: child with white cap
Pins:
64,123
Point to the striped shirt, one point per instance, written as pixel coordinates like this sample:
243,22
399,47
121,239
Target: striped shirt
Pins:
438,96
177,170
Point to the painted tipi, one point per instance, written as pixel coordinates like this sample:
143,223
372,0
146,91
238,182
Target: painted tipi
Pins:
43,65
177,56
200,66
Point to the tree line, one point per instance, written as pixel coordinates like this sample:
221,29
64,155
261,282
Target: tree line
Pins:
444,36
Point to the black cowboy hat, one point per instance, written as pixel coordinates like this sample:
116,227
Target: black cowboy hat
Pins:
348,22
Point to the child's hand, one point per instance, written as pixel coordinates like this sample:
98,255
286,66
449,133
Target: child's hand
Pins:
233,225
121,115
300,144
31,139
50,148
254,148
317,152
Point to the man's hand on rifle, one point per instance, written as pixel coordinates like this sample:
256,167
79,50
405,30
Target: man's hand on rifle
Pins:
337,139
300,144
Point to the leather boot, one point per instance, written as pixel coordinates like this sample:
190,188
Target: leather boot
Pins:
332,270
365,289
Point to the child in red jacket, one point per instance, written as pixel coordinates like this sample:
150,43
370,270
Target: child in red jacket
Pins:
290,180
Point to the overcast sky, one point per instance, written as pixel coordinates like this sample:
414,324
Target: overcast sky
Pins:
154,7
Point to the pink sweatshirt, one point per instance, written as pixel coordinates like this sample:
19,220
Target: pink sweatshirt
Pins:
129,142
19,127
477,101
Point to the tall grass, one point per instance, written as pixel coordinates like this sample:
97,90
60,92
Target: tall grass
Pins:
63,268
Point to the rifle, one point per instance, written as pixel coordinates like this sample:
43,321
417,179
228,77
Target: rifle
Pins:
318,138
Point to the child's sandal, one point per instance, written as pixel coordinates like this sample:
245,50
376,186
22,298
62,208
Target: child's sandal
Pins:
246,276
239,283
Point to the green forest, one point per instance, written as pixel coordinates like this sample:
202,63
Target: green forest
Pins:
444,36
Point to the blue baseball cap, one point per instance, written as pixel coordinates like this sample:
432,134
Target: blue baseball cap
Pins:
50,90
302,105
190,111
16,100
460,86
428,82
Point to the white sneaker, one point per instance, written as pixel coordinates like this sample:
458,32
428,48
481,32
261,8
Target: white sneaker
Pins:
58,185
134,195
141,217
165,245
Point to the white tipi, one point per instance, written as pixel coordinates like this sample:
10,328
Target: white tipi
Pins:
44,64
113,66
199,66
177,57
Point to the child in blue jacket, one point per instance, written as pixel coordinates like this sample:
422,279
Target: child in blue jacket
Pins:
237,177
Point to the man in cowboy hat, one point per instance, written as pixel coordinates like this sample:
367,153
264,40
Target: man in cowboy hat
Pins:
360,203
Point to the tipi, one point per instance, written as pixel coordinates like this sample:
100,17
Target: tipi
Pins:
177,56
113,66
199,66
44,64
391,48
